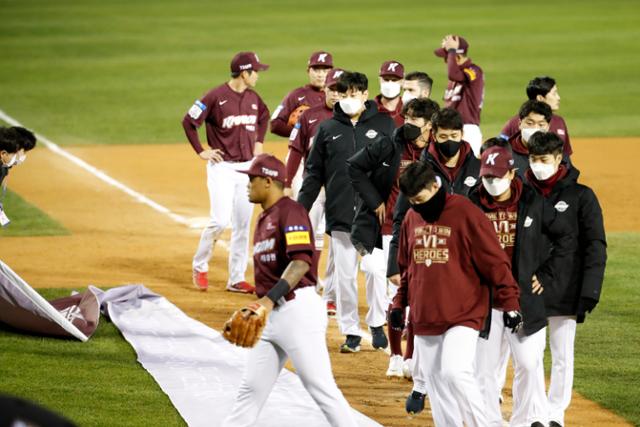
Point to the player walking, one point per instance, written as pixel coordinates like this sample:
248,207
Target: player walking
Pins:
448,254
391,77
465,90
236,120
286,271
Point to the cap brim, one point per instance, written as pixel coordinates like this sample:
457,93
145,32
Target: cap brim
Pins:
262,67
441,52
496,172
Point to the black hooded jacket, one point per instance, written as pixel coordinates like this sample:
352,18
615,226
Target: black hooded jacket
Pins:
336,140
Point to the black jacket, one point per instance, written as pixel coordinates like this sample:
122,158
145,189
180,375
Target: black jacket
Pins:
578,206
336,140
530,258
373,172
466,179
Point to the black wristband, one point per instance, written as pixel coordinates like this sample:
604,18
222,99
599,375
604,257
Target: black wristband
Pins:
280,289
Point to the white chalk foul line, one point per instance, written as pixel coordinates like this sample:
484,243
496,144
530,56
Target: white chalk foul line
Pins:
139,197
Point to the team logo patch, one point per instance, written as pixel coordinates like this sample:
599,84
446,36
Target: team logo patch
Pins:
371,134
196,110
561,206
471,73
297,235
470,181
528,221
294,132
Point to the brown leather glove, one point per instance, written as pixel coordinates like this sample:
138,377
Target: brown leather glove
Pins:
245,326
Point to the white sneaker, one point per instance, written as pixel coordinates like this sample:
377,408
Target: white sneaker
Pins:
395,366
407,369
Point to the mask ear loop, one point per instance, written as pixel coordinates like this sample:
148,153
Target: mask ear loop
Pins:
438,181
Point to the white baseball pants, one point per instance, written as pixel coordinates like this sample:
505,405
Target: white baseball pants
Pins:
447,364
296,330
562,335
228,199
529,399
473,135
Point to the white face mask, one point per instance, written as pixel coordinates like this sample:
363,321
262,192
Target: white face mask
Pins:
21,158
12,161
390,89
495,186
350,106
542,171
527,132
406,97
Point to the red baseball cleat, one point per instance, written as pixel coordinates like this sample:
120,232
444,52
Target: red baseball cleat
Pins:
200,280
331,308
241,287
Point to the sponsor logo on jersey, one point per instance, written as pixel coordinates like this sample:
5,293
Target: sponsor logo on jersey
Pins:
312,121
528,221
243,119
264,245
222,102
300,98
254,107
297,235
470,181
196,110
371,134
561,206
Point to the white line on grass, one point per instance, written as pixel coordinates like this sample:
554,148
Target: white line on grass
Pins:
139,197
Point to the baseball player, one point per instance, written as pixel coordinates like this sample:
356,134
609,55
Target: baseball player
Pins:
8,156
287,113
543,89
416,84
286,270
391,77
578,291
356,122
517,214
465,90
374,173
236,120
449,257
300,142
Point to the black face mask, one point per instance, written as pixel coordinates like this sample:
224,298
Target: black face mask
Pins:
410,132
431,209
449,148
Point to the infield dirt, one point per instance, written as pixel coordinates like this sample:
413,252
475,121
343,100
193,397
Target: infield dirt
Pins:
115,240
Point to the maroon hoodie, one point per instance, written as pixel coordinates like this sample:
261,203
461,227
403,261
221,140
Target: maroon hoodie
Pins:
444,265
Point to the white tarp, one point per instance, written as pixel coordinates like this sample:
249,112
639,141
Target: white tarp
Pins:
196,367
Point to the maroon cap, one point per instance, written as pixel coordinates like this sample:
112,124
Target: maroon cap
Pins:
245,61
267,165
463,47
333,76
392,69
496,161
320,59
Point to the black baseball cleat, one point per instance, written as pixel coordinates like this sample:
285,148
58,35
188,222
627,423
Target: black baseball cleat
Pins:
415,403
537,424
351,344
554,424
379,340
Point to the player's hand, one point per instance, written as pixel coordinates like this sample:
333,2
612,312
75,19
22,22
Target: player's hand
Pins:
450,42
536,286
395,279
245,326
512,320
214,156
586,304
266,303
288,192
258,149
380,213
396,320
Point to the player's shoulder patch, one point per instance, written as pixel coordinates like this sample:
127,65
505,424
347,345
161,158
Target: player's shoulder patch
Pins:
294,132
297,235
197,109
471,72
277,112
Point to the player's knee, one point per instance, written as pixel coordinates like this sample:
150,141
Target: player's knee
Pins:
217,225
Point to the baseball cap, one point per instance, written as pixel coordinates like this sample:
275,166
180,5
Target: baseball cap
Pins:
496,161
392,69
320,59
245,61
463,47
267,166
333,76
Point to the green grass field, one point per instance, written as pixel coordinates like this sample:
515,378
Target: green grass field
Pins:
127,71
27,220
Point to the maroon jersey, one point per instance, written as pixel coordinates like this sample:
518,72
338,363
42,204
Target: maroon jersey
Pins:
307,95
282,234
557,126
445,265
302,135
396,114
465,90
409,155
234,122
503,215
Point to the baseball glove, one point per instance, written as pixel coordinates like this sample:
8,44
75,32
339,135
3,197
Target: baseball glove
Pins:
295,115
245,325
